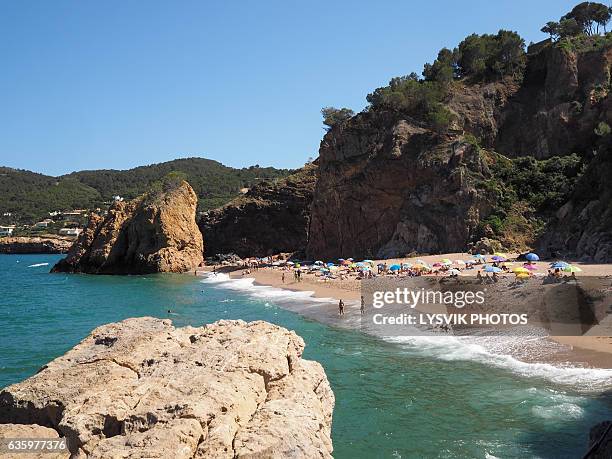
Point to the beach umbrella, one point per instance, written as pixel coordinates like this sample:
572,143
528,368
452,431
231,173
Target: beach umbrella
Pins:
437,264
350,259
460,262
520,270
530,267
395,268
353,265
290,263
318,262
572,269
522,275
498,258
360,264
480,256
492,269
500,254
421,262
532,257
406,265
368,261
559,264
446,261
507,263
297,265
329,264
470,262
454,272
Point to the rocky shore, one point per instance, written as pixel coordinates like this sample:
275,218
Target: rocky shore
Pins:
35,244
156,232
143,388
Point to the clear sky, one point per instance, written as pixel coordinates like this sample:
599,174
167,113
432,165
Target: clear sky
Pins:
116,84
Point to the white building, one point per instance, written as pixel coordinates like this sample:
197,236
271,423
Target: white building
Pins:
6,230
43,224
70,231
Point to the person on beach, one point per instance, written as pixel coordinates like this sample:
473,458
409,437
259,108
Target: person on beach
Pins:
283,277
362,305
341,308
479,277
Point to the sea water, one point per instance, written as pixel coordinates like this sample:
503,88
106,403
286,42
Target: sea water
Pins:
413,398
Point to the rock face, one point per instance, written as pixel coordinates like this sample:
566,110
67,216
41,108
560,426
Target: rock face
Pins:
600,438
45,244
268,219
154,233
142,388
387,187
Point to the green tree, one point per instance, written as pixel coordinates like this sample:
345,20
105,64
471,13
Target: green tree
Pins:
333,116
552,29
443,68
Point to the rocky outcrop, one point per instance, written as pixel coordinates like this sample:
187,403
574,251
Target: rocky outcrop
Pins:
387,186
154,233
143,388
600,441
43,244
270,218
561,100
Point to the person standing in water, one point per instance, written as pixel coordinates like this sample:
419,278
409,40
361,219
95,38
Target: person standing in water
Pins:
340,308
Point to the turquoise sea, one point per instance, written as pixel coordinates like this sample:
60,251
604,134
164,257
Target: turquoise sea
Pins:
402,400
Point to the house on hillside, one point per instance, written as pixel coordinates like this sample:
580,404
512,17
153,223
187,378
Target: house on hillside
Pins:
44,224
70,232
6,230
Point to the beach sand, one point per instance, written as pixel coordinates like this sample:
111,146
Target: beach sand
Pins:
592,350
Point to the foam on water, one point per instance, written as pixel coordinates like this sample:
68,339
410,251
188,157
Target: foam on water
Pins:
497,351
247,285
452,348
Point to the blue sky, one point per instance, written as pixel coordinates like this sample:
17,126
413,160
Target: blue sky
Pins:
116,84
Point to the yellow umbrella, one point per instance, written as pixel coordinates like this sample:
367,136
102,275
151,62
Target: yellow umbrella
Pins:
499,254
522,276
572,269
507,263
520,270
446,260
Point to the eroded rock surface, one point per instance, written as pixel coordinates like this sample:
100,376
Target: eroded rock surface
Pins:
35,244
270,218
143,388
154,233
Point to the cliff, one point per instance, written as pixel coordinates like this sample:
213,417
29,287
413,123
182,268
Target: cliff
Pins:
270,218
155,233
391,182
43,244
143,388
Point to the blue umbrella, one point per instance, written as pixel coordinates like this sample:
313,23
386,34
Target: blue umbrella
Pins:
478,256
559,264
329,264
395,268
492,269
498,258
532,257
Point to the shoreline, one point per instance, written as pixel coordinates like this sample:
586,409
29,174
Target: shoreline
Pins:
583,351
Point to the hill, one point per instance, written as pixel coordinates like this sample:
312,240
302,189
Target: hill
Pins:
29,196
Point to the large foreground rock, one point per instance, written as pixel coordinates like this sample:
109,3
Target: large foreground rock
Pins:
35,244
142,388
156,232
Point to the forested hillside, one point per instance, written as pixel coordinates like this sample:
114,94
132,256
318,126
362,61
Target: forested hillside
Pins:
29,196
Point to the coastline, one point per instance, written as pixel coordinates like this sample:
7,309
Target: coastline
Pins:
582,351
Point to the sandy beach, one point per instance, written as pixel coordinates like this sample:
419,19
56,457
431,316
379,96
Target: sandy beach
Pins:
594,349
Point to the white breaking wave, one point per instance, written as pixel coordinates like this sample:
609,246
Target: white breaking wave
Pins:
490,351
453,348
38,264
246,285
